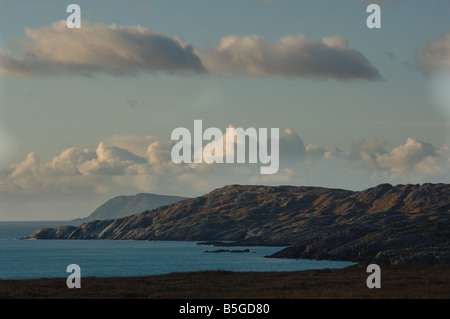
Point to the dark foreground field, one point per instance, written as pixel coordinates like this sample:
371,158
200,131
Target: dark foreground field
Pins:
410,282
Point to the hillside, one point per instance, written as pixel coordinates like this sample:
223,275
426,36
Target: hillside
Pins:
404,224
122,206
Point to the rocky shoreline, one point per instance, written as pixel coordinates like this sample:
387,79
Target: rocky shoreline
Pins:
395,225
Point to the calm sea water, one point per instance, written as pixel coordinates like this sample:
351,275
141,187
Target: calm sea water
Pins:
20,259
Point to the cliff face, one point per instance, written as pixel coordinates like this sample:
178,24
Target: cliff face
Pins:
405,224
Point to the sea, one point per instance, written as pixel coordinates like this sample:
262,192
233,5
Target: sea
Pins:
32,259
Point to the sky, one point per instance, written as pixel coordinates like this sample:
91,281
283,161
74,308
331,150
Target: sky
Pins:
87,114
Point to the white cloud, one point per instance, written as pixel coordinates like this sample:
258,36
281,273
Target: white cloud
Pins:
435,57
68,161
403,158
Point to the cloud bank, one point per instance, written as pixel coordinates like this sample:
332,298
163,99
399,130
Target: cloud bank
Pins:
129,50
73,183
101,170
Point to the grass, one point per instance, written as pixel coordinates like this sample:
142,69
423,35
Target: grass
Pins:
397,282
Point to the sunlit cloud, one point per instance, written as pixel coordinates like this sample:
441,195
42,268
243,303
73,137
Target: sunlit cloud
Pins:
94,48
435,57
130,50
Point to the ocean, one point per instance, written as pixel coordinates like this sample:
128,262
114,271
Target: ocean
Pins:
26,259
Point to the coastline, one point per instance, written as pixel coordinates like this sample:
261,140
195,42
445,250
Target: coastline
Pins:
397,282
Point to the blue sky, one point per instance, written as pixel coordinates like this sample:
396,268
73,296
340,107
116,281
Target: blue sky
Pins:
350,133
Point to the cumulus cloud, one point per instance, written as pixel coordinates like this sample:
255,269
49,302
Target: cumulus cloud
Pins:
370,145
289,56
129,50
291,146
367,149
437,165
435,57
405,157
133,143
98,47
111,160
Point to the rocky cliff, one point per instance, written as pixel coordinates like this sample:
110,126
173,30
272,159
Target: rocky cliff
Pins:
404,224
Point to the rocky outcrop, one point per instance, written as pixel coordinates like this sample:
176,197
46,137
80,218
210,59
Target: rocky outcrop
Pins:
404,224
